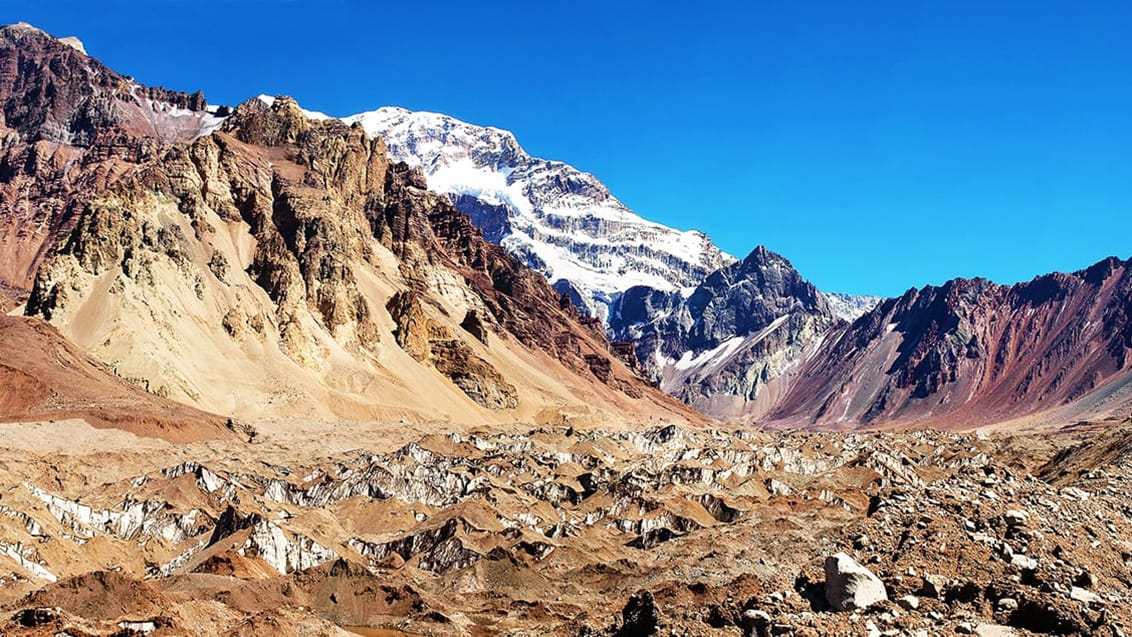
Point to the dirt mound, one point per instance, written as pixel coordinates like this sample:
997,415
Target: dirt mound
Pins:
102,595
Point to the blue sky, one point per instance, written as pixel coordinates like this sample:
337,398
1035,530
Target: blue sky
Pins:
877,145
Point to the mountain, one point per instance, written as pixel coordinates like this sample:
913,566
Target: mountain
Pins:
565,224
558,220
851,306
267,382
971,352
717,348
61,107
256,261
136,220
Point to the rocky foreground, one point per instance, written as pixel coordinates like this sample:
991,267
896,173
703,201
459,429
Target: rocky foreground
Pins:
554,530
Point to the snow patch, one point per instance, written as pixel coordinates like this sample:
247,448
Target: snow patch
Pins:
74,43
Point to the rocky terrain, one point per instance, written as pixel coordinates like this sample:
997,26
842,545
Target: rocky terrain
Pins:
59,107
570,531
719,347
971,352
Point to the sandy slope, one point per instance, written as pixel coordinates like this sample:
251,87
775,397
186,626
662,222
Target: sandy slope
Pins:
42,376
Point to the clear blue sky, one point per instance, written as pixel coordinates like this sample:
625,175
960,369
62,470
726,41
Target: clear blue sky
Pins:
878,145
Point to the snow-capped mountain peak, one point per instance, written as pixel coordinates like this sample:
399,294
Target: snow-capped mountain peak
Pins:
559,220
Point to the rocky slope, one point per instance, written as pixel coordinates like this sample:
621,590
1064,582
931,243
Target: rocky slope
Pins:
44,377
971,352
62,108
718,348
565,531
250,269
556,219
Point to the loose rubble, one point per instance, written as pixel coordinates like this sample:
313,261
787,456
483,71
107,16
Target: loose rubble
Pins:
552,530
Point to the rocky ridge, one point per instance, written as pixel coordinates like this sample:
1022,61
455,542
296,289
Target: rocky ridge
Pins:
718,348
972,352
60,110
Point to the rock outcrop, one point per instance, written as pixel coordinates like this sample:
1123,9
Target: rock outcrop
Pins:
54,92
60,111
428,341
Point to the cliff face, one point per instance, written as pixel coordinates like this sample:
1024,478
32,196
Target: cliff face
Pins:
719,348
972,352
66,119
53,92
251,270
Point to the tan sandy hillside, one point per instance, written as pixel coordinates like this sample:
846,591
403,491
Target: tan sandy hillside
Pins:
42,376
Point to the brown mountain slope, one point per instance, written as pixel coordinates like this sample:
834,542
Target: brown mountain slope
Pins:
254,270
972,353
56,102
42,376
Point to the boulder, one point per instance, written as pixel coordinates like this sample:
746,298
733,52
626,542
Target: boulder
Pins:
1016,518
850,586
640,617
1088,597
755,623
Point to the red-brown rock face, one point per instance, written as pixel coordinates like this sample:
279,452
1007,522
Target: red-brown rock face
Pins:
55,103
973,352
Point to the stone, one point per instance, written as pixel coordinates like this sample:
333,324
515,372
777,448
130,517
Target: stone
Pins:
1088,597
934,585
850,586
1024,562
755,623
1016,518
993,630
909,602
1006,551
